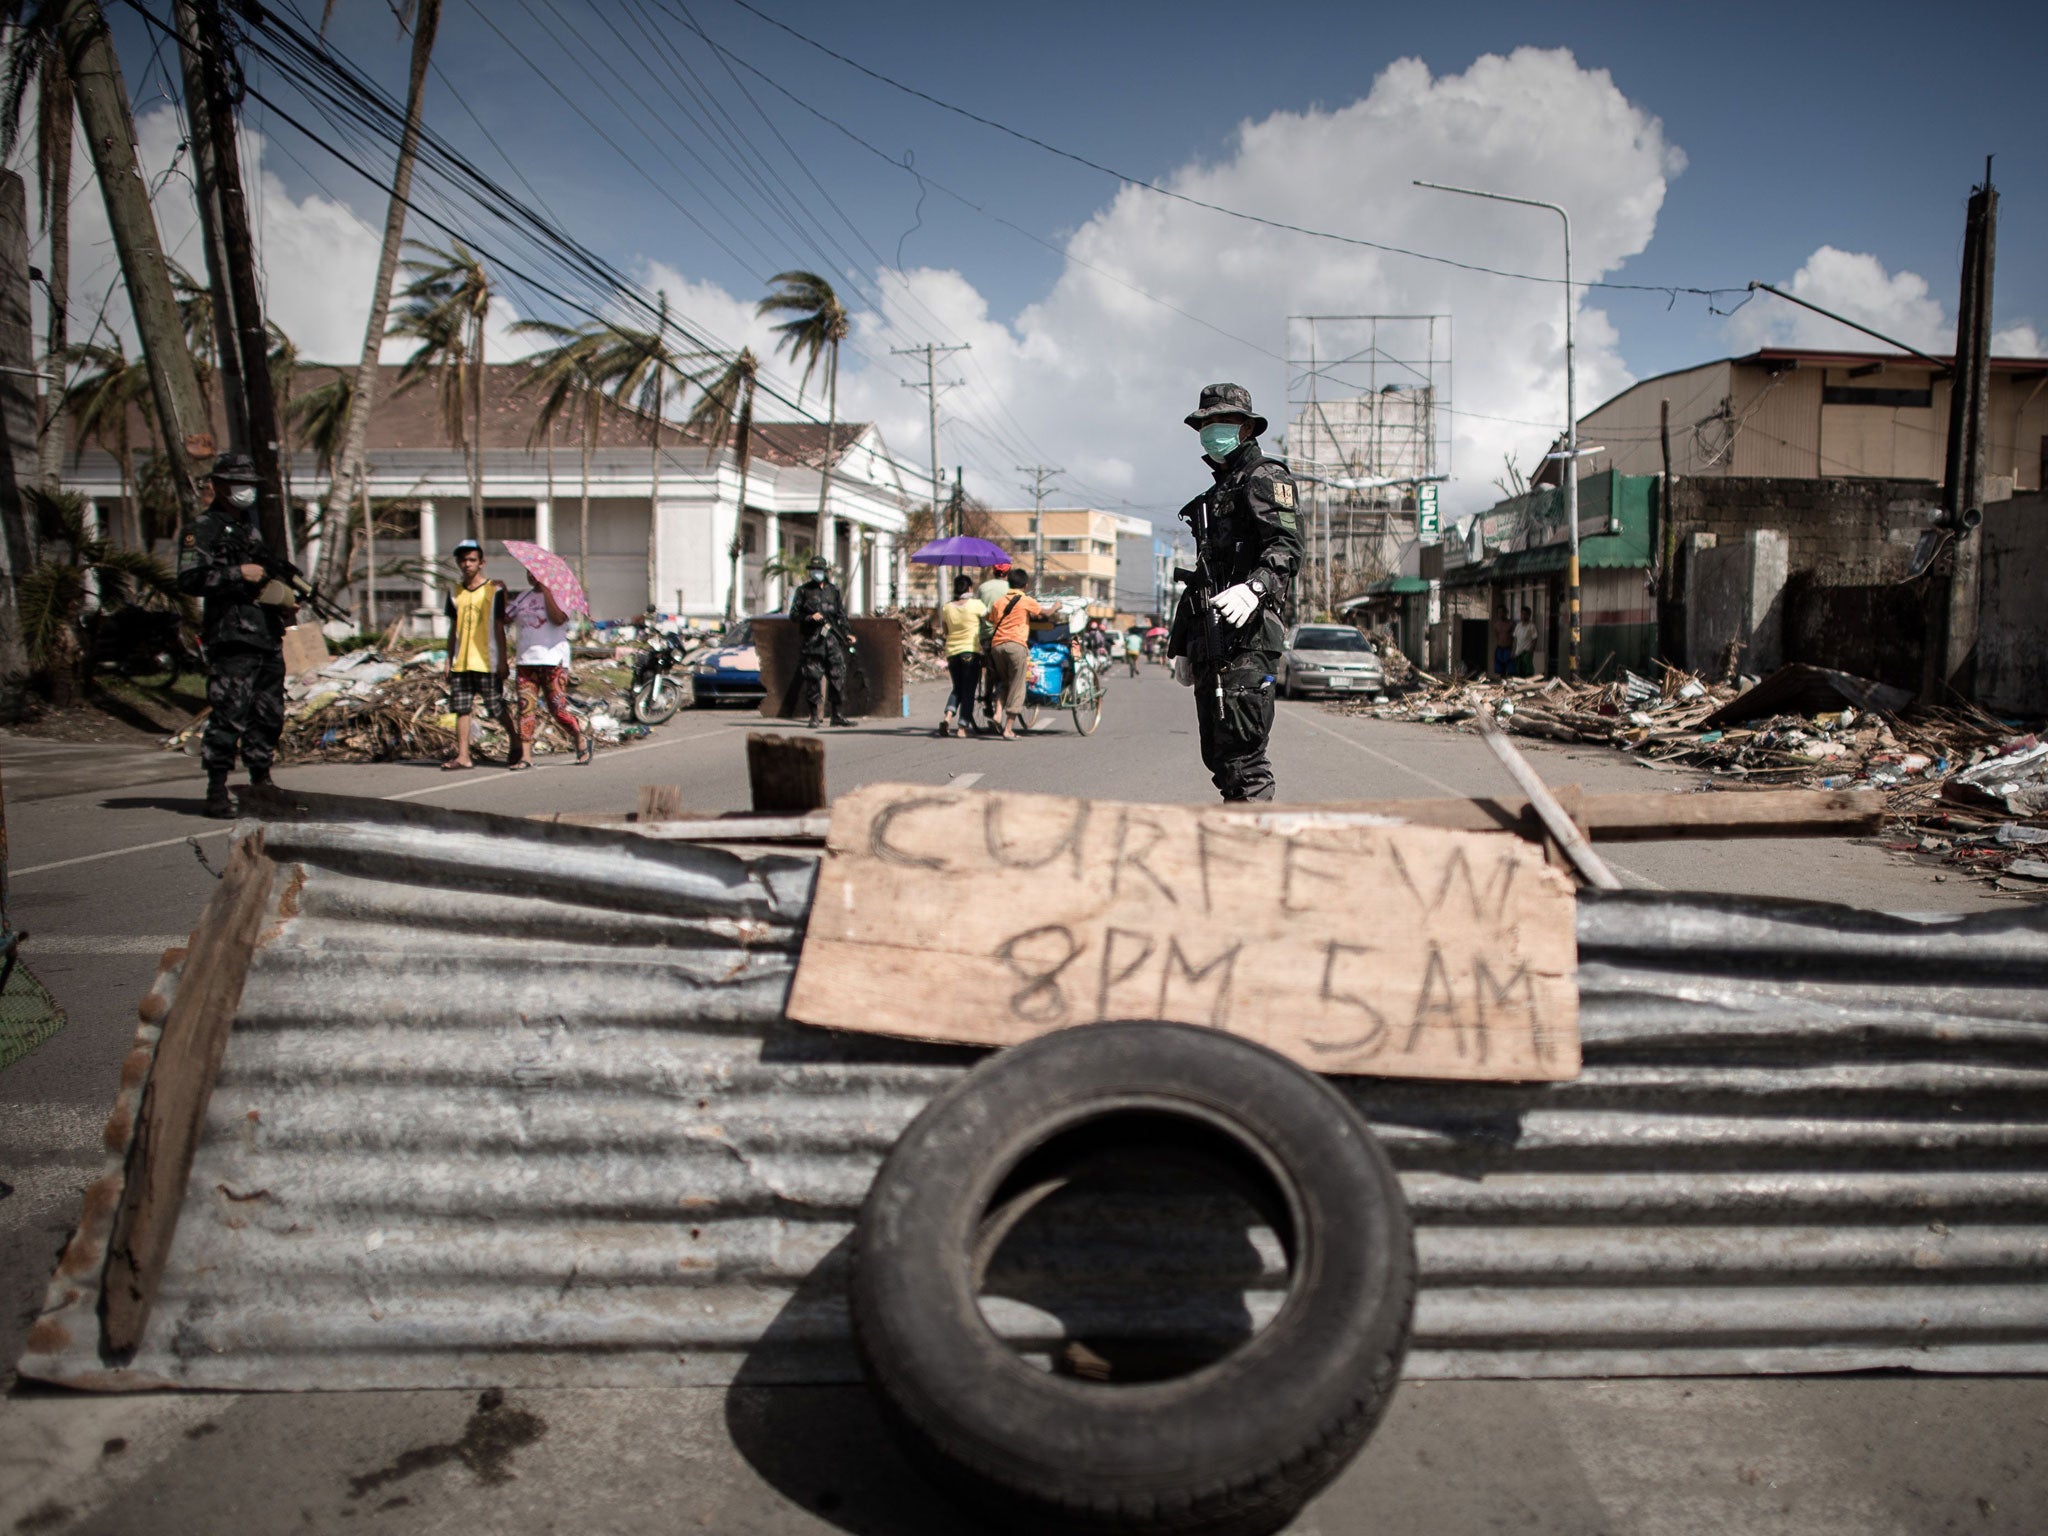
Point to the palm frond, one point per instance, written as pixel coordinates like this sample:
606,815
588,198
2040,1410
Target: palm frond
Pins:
143,579
59,516
51,595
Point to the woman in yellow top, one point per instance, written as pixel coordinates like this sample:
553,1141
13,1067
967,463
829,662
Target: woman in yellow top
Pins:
961,619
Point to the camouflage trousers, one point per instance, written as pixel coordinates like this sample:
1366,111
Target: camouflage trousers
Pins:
245,692
816,670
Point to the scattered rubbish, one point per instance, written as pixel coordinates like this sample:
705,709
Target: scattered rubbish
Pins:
1974,784
376,705
1800,689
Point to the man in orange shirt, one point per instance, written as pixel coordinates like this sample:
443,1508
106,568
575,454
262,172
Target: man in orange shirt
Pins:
1012,616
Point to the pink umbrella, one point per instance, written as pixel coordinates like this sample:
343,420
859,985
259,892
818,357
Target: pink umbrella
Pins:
552,572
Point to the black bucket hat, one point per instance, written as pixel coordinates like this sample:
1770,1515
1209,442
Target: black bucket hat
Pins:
1225,400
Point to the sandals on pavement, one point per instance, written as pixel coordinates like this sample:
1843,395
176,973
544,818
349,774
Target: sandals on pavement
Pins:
583,754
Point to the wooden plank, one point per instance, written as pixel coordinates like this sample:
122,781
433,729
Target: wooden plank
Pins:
660,802
1642,817
1556,820
1346,943
173,1107
786,773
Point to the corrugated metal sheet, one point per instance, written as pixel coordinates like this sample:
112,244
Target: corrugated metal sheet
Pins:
1775,424
515,1104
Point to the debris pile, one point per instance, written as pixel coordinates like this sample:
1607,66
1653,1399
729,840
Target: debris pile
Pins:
379,706
1960,784
924,651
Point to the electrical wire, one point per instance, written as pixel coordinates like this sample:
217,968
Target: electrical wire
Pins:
1669,289
345,90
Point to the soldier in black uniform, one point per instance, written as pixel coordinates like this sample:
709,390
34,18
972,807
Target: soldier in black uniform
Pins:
245,617
1249,558
820,615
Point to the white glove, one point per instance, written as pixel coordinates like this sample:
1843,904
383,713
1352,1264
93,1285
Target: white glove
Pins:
1184,671
1237,604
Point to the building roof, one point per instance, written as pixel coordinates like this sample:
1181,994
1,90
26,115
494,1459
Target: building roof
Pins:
411,419
803,442
1809,357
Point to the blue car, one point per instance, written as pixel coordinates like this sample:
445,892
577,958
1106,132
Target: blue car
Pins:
731,669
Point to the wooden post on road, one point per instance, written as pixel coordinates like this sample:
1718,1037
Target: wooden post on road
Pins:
786,773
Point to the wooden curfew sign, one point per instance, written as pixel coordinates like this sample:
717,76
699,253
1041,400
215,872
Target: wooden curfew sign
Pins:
1342,941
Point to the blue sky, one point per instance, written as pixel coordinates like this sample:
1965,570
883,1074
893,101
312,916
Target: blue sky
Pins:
1859,128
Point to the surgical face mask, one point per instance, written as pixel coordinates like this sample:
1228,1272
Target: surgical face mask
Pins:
1219,439
241,497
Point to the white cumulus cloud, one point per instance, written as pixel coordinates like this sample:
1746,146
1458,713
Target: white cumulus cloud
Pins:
1858,285
316,255
1101,375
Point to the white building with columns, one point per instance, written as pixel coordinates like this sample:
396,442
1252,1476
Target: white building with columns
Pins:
660,520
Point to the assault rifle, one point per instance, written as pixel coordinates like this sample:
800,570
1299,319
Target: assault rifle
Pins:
244,550
1201,585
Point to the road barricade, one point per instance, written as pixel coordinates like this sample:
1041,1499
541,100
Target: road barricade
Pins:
516,1103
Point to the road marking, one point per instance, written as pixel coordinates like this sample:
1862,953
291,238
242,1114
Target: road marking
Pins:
964,781
455,782
115,853
1620,869
101,944
1391,762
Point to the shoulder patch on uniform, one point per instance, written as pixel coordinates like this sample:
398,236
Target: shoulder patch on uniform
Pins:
1283,493
1288,521
191,539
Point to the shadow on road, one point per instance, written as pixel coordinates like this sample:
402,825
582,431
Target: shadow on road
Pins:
823,1447
188,805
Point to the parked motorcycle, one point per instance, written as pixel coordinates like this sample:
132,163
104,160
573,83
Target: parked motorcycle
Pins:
142,642
658,688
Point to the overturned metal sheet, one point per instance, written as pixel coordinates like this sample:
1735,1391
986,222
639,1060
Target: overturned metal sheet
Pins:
513,1103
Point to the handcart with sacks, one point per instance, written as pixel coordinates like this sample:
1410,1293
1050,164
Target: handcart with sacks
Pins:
1063,673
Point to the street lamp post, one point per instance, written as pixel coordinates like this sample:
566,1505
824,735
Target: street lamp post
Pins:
1571,419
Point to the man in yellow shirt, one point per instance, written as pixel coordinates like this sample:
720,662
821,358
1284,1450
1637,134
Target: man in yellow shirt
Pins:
961,621
476,654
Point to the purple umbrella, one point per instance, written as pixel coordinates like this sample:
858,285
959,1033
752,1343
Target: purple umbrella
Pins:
961,550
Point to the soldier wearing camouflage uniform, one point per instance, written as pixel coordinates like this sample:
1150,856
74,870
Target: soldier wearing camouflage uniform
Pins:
245,617
823,641
1251,553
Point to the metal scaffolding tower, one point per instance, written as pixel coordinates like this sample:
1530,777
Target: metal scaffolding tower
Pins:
1368,398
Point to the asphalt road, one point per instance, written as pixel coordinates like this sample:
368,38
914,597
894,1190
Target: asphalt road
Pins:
108,866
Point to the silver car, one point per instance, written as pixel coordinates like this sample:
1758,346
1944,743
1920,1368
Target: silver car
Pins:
1329,658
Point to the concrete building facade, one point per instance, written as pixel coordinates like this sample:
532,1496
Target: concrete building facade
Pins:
1081,549
663,508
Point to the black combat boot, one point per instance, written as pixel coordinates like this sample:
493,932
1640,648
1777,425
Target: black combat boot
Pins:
817,720
841,720
259,778
218,805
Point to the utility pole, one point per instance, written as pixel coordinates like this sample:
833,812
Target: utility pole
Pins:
238,250
1949,660
931,386
110,133
192,48
956,504
1039,473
